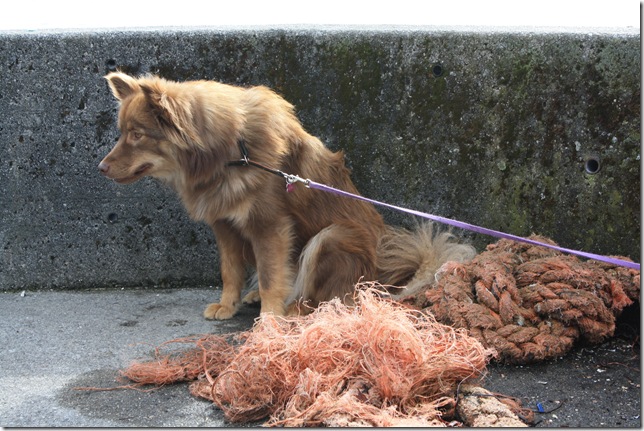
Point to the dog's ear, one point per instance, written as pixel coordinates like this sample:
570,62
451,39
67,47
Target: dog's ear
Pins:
173,111
122,85
177,112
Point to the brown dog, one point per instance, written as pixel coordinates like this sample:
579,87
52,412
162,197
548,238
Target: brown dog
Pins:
305,245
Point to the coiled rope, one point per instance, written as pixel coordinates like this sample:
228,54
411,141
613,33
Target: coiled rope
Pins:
530,303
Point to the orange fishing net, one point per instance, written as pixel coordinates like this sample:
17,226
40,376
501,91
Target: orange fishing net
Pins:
378,363
530,303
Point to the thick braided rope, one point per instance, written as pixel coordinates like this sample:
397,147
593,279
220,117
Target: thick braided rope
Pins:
531,303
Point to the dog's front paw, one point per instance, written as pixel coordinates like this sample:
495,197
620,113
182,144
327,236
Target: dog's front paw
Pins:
218,311
252,297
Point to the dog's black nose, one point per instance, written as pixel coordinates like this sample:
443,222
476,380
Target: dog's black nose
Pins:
103,167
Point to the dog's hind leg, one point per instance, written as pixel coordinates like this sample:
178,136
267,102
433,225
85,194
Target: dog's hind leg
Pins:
231,255
331,264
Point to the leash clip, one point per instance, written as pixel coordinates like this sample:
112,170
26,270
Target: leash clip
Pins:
291,180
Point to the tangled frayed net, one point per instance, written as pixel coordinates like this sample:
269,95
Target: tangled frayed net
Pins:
212,352
377,363
528,302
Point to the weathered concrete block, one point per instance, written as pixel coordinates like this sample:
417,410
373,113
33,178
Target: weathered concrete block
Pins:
517,131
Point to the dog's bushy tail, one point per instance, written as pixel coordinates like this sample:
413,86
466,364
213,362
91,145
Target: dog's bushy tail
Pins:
411,257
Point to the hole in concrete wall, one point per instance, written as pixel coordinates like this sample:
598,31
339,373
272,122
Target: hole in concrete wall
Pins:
111,65
437,70
592,165
112,217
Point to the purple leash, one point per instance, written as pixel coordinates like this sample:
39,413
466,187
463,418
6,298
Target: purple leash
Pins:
312,184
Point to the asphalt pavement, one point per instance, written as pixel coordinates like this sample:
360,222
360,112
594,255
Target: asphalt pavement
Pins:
54,342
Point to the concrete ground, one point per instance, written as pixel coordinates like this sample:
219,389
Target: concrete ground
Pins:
54,342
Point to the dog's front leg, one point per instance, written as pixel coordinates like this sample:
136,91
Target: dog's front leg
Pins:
272,247
230,246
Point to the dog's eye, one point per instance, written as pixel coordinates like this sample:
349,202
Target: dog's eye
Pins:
137,135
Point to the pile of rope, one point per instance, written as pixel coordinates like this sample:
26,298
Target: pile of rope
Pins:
378,363
530,303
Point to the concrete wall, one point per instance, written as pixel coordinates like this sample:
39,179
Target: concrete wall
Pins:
490,127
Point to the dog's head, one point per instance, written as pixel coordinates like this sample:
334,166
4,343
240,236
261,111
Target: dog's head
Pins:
162,133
